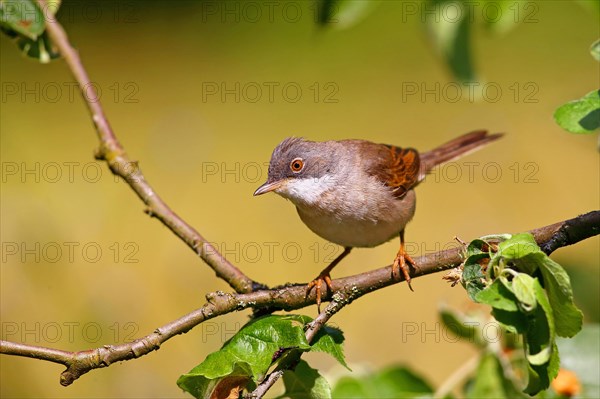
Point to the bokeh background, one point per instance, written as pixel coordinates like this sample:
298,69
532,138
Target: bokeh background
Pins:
83,266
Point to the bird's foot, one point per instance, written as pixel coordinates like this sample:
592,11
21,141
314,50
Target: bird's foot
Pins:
401,263
317,283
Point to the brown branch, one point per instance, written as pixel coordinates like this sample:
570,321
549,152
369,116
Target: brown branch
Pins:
288,297
120,164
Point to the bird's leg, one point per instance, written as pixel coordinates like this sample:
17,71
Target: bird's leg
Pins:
402,261
325,277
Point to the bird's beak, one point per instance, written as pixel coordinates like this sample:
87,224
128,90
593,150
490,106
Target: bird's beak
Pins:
268,187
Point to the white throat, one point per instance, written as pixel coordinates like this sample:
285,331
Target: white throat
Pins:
306,190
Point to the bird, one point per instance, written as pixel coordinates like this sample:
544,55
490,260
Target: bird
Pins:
357,193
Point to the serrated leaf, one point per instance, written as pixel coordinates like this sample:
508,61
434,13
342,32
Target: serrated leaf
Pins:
395,382
490,380
249,353
498,297
305,382
329,340
567,317
461,326
580,116
580,355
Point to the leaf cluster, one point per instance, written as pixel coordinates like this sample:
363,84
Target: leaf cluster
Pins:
530,295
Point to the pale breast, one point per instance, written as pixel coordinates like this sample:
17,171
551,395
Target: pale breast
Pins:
373,217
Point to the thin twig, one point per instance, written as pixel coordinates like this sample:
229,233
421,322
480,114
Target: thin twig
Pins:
113,153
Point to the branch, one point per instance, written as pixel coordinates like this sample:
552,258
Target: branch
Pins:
288,297
120,164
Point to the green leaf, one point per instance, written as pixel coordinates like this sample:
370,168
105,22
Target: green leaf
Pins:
476,247
595,50
580,116
329,340
395,382
498,296
344,13
449,28
23,17
540,334
473,278
517,247
305,382
540,346
461,326
568,318
24,21
514,322
40,49
217,382
490,380
541,376
524,253
580,355
523,288
248,355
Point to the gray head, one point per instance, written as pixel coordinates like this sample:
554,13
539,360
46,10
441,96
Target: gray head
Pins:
299,167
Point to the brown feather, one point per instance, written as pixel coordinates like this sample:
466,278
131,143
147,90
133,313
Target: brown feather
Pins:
398,168
455,149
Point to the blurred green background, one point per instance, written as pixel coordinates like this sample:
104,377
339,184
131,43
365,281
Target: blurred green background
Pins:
200,93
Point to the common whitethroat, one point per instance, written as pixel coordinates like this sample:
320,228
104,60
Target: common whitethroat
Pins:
356,193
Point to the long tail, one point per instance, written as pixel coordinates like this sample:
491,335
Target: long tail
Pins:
455,149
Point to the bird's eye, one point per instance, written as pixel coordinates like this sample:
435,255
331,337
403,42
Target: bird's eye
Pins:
297,165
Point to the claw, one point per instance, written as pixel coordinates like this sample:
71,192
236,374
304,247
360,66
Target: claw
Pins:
317,284
325,277
402,262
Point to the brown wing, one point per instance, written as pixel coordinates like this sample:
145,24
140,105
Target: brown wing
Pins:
397,168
